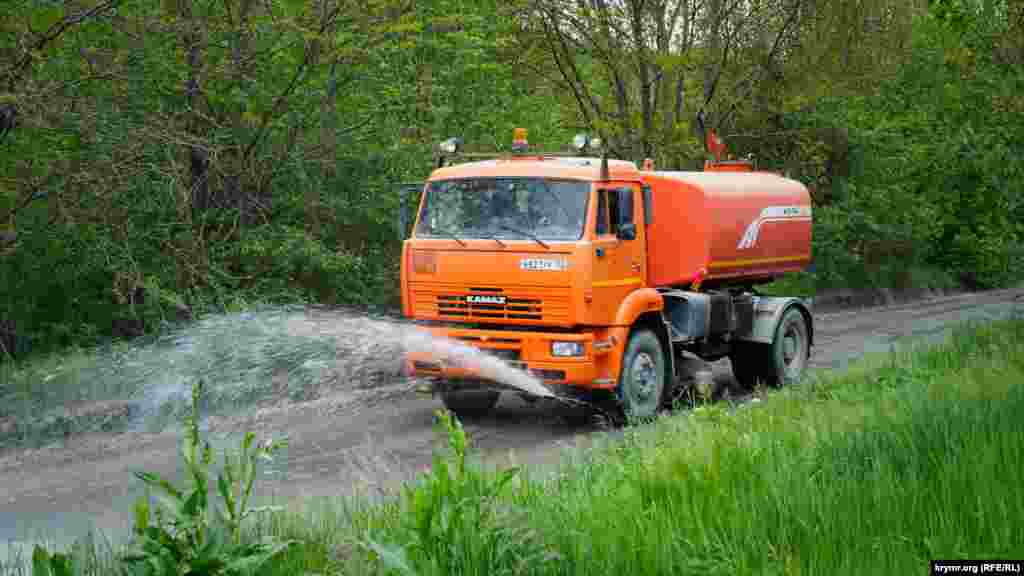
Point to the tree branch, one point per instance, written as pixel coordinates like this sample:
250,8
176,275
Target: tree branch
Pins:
16,70
286,93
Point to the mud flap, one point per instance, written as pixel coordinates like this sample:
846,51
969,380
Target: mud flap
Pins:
768,313
694,378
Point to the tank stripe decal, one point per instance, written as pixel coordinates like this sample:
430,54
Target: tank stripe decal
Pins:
772,214
626,282
735,263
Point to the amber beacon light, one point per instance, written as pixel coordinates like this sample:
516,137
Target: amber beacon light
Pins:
519,143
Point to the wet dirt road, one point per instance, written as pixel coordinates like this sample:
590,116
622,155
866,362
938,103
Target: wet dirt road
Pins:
368,439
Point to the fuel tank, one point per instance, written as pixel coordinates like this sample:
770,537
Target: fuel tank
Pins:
725,226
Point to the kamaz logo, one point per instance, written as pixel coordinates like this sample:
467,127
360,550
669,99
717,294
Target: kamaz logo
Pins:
478,299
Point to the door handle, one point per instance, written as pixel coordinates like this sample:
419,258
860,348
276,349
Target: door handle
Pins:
636,266
600,252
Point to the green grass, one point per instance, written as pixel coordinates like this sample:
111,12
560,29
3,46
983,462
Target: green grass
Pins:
901,459
875,473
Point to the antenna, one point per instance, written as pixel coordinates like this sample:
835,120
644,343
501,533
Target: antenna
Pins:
702,129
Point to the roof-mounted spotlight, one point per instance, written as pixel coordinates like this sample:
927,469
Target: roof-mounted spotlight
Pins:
583,141
451,145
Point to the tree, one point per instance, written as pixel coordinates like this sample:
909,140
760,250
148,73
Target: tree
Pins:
640,70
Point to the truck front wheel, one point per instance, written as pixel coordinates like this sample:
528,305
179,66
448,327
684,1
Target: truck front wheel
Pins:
642,381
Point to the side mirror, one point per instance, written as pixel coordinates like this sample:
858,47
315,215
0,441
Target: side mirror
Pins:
627,231
404,192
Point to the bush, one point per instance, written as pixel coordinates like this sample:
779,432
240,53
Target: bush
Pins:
932,178
454,520
285,263
186,536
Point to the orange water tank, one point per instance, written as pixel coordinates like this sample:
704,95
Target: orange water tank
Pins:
726,227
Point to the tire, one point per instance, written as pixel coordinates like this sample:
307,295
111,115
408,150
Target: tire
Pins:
470,403
780,363
642,379
789,351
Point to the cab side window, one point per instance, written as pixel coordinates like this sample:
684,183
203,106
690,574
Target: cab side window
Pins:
602,212
614,211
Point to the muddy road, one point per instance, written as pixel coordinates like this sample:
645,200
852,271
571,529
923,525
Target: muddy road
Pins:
364,440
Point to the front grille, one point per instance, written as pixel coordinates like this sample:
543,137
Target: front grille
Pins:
460,306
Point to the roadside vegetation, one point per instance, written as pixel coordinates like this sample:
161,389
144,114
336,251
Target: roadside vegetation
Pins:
249,153
902,459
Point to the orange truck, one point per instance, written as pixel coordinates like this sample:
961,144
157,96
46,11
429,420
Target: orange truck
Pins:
598,277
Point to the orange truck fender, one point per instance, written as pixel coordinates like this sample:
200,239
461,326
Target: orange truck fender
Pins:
637,303
649,302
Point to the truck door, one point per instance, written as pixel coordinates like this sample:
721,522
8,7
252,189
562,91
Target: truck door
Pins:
619,259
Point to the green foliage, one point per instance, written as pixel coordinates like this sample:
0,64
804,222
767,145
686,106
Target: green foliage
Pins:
185,537
931,178
799,284
183,533
453,520
46,564
276,262
305,117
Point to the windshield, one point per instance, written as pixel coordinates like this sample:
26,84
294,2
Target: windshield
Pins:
505,208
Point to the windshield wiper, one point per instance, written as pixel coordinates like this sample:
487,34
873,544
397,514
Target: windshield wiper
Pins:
493,237
450,234
531,235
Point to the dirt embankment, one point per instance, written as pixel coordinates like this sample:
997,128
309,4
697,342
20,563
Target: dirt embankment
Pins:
840,300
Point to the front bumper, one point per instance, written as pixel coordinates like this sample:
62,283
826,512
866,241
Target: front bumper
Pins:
529,351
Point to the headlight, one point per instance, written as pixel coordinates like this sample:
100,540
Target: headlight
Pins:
424,262
567,349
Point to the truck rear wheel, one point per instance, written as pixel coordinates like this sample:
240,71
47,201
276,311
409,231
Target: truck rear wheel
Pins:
781,362
469,403
642,380
789,351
